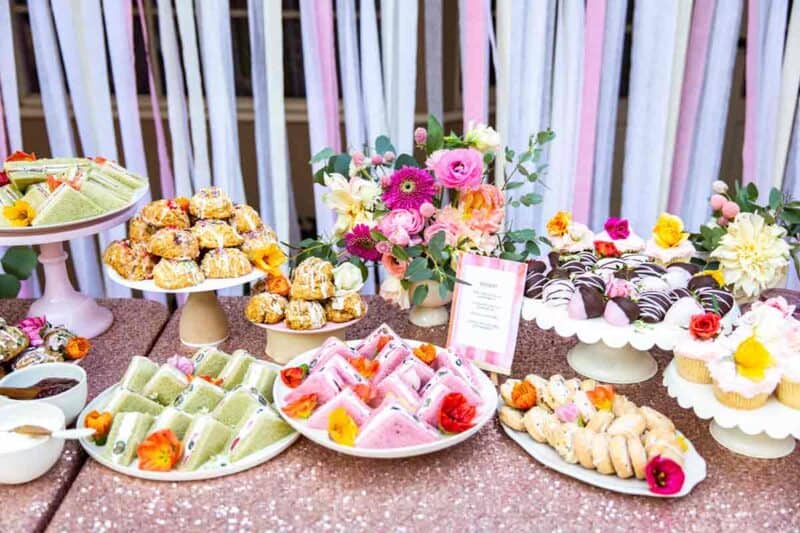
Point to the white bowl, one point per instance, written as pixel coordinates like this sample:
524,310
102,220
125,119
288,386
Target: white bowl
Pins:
71,402
24,459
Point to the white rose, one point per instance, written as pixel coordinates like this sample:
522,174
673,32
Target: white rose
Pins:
392,291
719,187
483,138
347,278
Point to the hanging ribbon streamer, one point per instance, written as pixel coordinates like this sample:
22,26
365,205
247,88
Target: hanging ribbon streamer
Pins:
654,26
790,84
404,76
433,58
710,132
371,73
474,24
503,67
8,80
756,18
258,66
351,74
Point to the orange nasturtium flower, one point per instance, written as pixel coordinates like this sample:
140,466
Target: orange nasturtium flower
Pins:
78,347
206,377
342,429
382,342
365,391
268,259
278,284
426,352
19,214
302,407
182,202
100,423
19,155
160,451
292,377
523,395
602,397
365,367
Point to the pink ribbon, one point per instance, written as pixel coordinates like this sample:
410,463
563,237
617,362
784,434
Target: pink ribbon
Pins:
694,74
751,96
590,96
475,60
3,141
167,183
327,62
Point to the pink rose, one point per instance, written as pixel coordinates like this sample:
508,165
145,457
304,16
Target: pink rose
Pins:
427,210
384,247
483,208
779,303
617,228
401,226
461,168
567,413
617,287
433,159
32,326
184,364
376,159
394,266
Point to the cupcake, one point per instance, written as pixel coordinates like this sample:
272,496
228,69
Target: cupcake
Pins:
669,243
568,236
698,348
617,232
745,380
788,391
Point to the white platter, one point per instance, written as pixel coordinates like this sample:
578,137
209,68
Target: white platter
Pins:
694,468
484,415
254,459
207,286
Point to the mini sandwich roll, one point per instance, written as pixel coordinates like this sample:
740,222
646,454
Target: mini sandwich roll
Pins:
506,390
601,421
638,456
585,407
588,384
582,442
554,432
656,420
660,435
564,442
621,405
511,417
557,391
666,449
630,425
618,450
534,422
600,456
539,383
573,385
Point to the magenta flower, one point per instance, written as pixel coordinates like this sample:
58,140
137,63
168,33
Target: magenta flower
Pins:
617,228
409,188
32,327
184,364
360,243
461,169
664,476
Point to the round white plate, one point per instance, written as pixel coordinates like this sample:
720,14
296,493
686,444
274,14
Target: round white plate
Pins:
484,415
254,459
694,468
207,286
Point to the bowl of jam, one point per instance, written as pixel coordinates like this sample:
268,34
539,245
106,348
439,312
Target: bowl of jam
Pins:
63,385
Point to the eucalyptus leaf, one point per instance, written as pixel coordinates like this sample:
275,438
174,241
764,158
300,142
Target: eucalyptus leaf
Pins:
323,155
383,145
775,198
19,261
435,135
420,293
405,160
341,164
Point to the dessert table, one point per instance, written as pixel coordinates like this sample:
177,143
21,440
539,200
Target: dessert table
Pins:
137,325
485,483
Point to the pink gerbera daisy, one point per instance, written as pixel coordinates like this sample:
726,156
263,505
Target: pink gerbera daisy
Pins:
409,188
360,243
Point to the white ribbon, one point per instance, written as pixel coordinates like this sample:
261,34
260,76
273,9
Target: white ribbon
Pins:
351,74
258,66
371,77
404,48
790,84
8,79
433,58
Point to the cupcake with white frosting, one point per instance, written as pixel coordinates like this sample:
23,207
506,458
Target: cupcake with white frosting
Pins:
617,231
669,243
568,236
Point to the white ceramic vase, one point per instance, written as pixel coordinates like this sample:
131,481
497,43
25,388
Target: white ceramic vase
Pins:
433,310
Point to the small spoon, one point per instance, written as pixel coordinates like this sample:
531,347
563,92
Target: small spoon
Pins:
39,431
21,393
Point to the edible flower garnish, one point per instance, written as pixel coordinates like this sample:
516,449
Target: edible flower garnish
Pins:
602,397
523,395
752,359
456,415
365,367
567,412
717,274
19,214
704,326
182,202
184,364
668,231
365,391
606,249
19,155
426,352
4,178
383,340
664,476
206,377
100,423
294,376
160,451
617,228
342,429
268,259
278,284
302,407
559,224
682,443
32,327
77,348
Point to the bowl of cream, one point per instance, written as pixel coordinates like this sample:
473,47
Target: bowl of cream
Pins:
24,458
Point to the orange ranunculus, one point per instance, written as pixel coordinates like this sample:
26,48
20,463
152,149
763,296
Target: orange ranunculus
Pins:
19,214
606,249
268,259
19,155
278,284
523,395
426,353
342,429
100,423
365,367
53,182
292,377
382,342
559,224
602,397
77,347
483,208
365,391
456,415
160,451
302,407
100,160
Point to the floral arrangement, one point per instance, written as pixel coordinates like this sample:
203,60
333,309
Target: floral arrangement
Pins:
416,217
750,244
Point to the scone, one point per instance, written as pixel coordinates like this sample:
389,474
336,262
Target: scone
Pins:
13,341
344,308
266,308
165,213
511,417
313,280
302,314
245,219
129,259
216,234
174,243
256,240
226,263
139,230
177,274
211,202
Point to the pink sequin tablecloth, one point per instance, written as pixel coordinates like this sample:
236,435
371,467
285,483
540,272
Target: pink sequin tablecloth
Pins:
136,326
485,484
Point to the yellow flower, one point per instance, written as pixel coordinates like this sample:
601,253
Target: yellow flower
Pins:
557,226
752,359
718,276
268,259
682,443
668,231
20,214
342,429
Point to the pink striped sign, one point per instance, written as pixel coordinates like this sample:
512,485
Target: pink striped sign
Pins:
484,316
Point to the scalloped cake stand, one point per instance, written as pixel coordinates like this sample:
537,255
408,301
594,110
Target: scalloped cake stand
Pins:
61,303
203,321
768,432
604,352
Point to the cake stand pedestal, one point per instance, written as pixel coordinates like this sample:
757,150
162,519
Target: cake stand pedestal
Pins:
768,432
607,353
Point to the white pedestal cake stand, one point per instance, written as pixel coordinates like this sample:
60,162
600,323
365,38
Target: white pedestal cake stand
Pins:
604,352
768,432
61,303
203,321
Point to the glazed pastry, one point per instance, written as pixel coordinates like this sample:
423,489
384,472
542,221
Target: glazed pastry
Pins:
313,280
165,213
586,303
302,314
177,274
266,308
225,263
344,308
139,230
211,202
255,240
130,259
173,243
245,219
214,234
13,342
511,417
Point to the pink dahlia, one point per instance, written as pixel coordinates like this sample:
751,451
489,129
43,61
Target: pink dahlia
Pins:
409,188
360,243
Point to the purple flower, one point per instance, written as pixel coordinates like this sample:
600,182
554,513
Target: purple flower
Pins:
184,364
664,476
360,243
567,412
409,188
461,169
32,326
617,228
